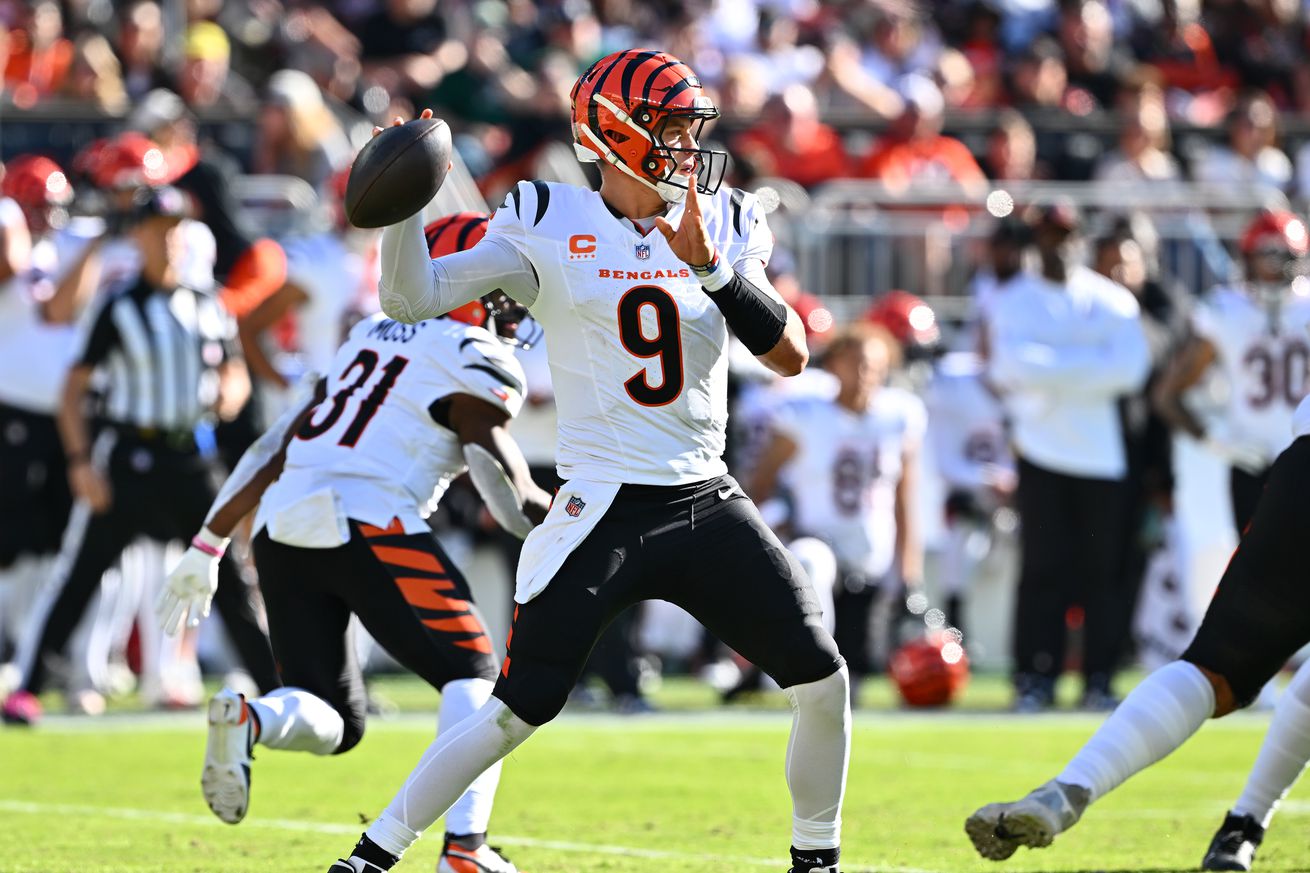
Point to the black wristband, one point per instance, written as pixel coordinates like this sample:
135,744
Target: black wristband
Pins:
756,318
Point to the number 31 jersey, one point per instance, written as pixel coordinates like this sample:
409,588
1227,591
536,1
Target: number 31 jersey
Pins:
1263,349
375,441
638,351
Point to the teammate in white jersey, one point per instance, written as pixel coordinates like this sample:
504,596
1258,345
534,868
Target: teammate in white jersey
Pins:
637,322
1259,618
850,465
344,483
1256,335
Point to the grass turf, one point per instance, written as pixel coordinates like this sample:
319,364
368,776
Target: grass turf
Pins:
660,793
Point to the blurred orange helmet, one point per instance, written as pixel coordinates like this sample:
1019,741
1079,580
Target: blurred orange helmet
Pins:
1276,228
36,182
494,311
931,670
129,160
908,319
621,106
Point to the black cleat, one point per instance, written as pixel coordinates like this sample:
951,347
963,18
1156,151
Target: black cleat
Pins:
1233,847
814,861
354,865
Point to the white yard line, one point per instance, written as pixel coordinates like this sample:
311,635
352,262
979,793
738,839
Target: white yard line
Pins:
164,817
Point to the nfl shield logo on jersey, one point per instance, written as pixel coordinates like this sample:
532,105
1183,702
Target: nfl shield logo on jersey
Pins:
574,506
643,251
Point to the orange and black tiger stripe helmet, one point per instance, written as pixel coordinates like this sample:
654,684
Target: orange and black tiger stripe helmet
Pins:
495,311
621,107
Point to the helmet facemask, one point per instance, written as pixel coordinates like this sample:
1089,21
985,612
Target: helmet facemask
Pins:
510,322
662,164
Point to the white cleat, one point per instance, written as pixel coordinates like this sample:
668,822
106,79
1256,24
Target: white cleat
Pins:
999,829
226,778
484,859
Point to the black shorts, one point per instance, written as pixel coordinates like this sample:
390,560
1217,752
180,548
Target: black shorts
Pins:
407,593
1260,614
34,497
713,556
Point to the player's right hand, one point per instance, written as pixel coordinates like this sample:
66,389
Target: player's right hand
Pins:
398,121
188,591
89,484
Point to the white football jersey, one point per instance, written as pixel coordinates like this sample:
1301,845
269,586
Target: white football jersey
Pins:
638,350
844,474
1263,350
968,437
374,440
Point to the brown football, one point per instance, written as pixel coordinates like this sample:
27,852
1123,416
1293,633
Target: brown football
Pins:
398,172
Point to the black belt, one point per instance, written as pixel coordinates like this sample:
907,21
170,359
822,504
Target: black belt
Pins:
178,440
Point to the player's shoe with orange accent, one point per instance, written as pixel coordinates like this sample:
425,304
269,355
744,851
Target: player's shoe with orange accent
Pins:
998,829
484,859
225,780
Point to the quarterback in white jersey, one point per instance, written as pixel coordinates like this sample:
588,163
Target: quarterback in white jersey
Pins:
850,465
1258,335
344,482
636,286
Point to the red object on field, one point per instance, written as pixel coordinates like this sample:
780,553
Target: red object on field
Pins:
930,671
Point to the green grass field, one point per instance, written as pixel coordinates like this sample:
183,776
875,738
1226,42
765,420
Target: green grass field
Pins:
695,790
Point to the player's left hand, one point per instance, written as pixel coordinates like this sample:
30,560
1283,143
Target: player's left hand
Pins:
398,121
691,241
188,591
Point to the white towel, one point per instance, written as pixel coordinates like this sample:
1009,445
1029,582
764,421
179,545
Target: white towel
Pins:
577,508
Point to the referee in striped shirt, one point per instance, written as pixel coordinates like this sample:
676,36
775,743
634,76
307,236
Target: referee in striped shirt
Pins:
162,358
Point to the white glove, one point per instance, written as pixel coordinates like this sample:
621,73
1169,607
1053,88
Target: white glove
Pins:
1241,453
189,588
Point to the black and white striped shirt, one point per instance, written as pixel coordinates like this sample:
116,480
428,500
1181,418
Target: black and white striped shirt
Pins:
157,353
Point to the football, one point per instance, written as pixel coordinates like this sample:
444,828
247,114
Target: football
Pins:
398,172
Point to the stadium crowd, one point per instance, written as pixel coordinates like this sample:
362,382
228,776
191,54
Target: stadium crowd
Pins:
811,92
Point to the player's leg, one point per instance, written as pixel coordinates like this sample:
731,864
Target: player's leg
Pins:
1259,617
1282,758
547,647
732,574
1098,515
92,543
416,604
321,709
1244,489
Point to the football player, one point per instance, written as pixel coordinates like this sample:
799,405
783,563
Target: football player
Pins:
1256,334
343,483
851,466
636,285
1258,619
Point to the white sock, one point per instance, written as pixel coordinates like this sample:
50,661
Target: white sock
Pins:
1283,755
1156,718
294,719
817,756
448,767
472,812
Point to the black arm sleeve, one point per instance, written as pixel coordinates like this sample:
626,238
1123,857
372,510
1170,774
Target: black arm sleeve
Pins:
756,318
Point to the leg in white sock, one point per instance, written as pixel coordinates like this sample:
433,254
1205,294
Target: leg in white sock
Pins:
1156,718
294,719
1283,755
472,812
817,757
446,770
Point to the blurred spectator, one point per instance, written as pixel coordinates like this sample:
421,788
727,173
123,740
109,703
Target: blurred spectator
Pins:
1179,50
1251,156
141,47
845,84
743,92
1064,345
981,47
207,81
1039,79
96,77
406,47
791,142
39,56
787,61
914,149
1011,149
901,45
1143,154
1086,34
955,75
298,134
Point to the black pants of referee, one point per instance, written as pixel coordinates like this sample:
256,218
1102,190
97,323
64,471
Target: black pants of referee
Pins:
162,491
1071,546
